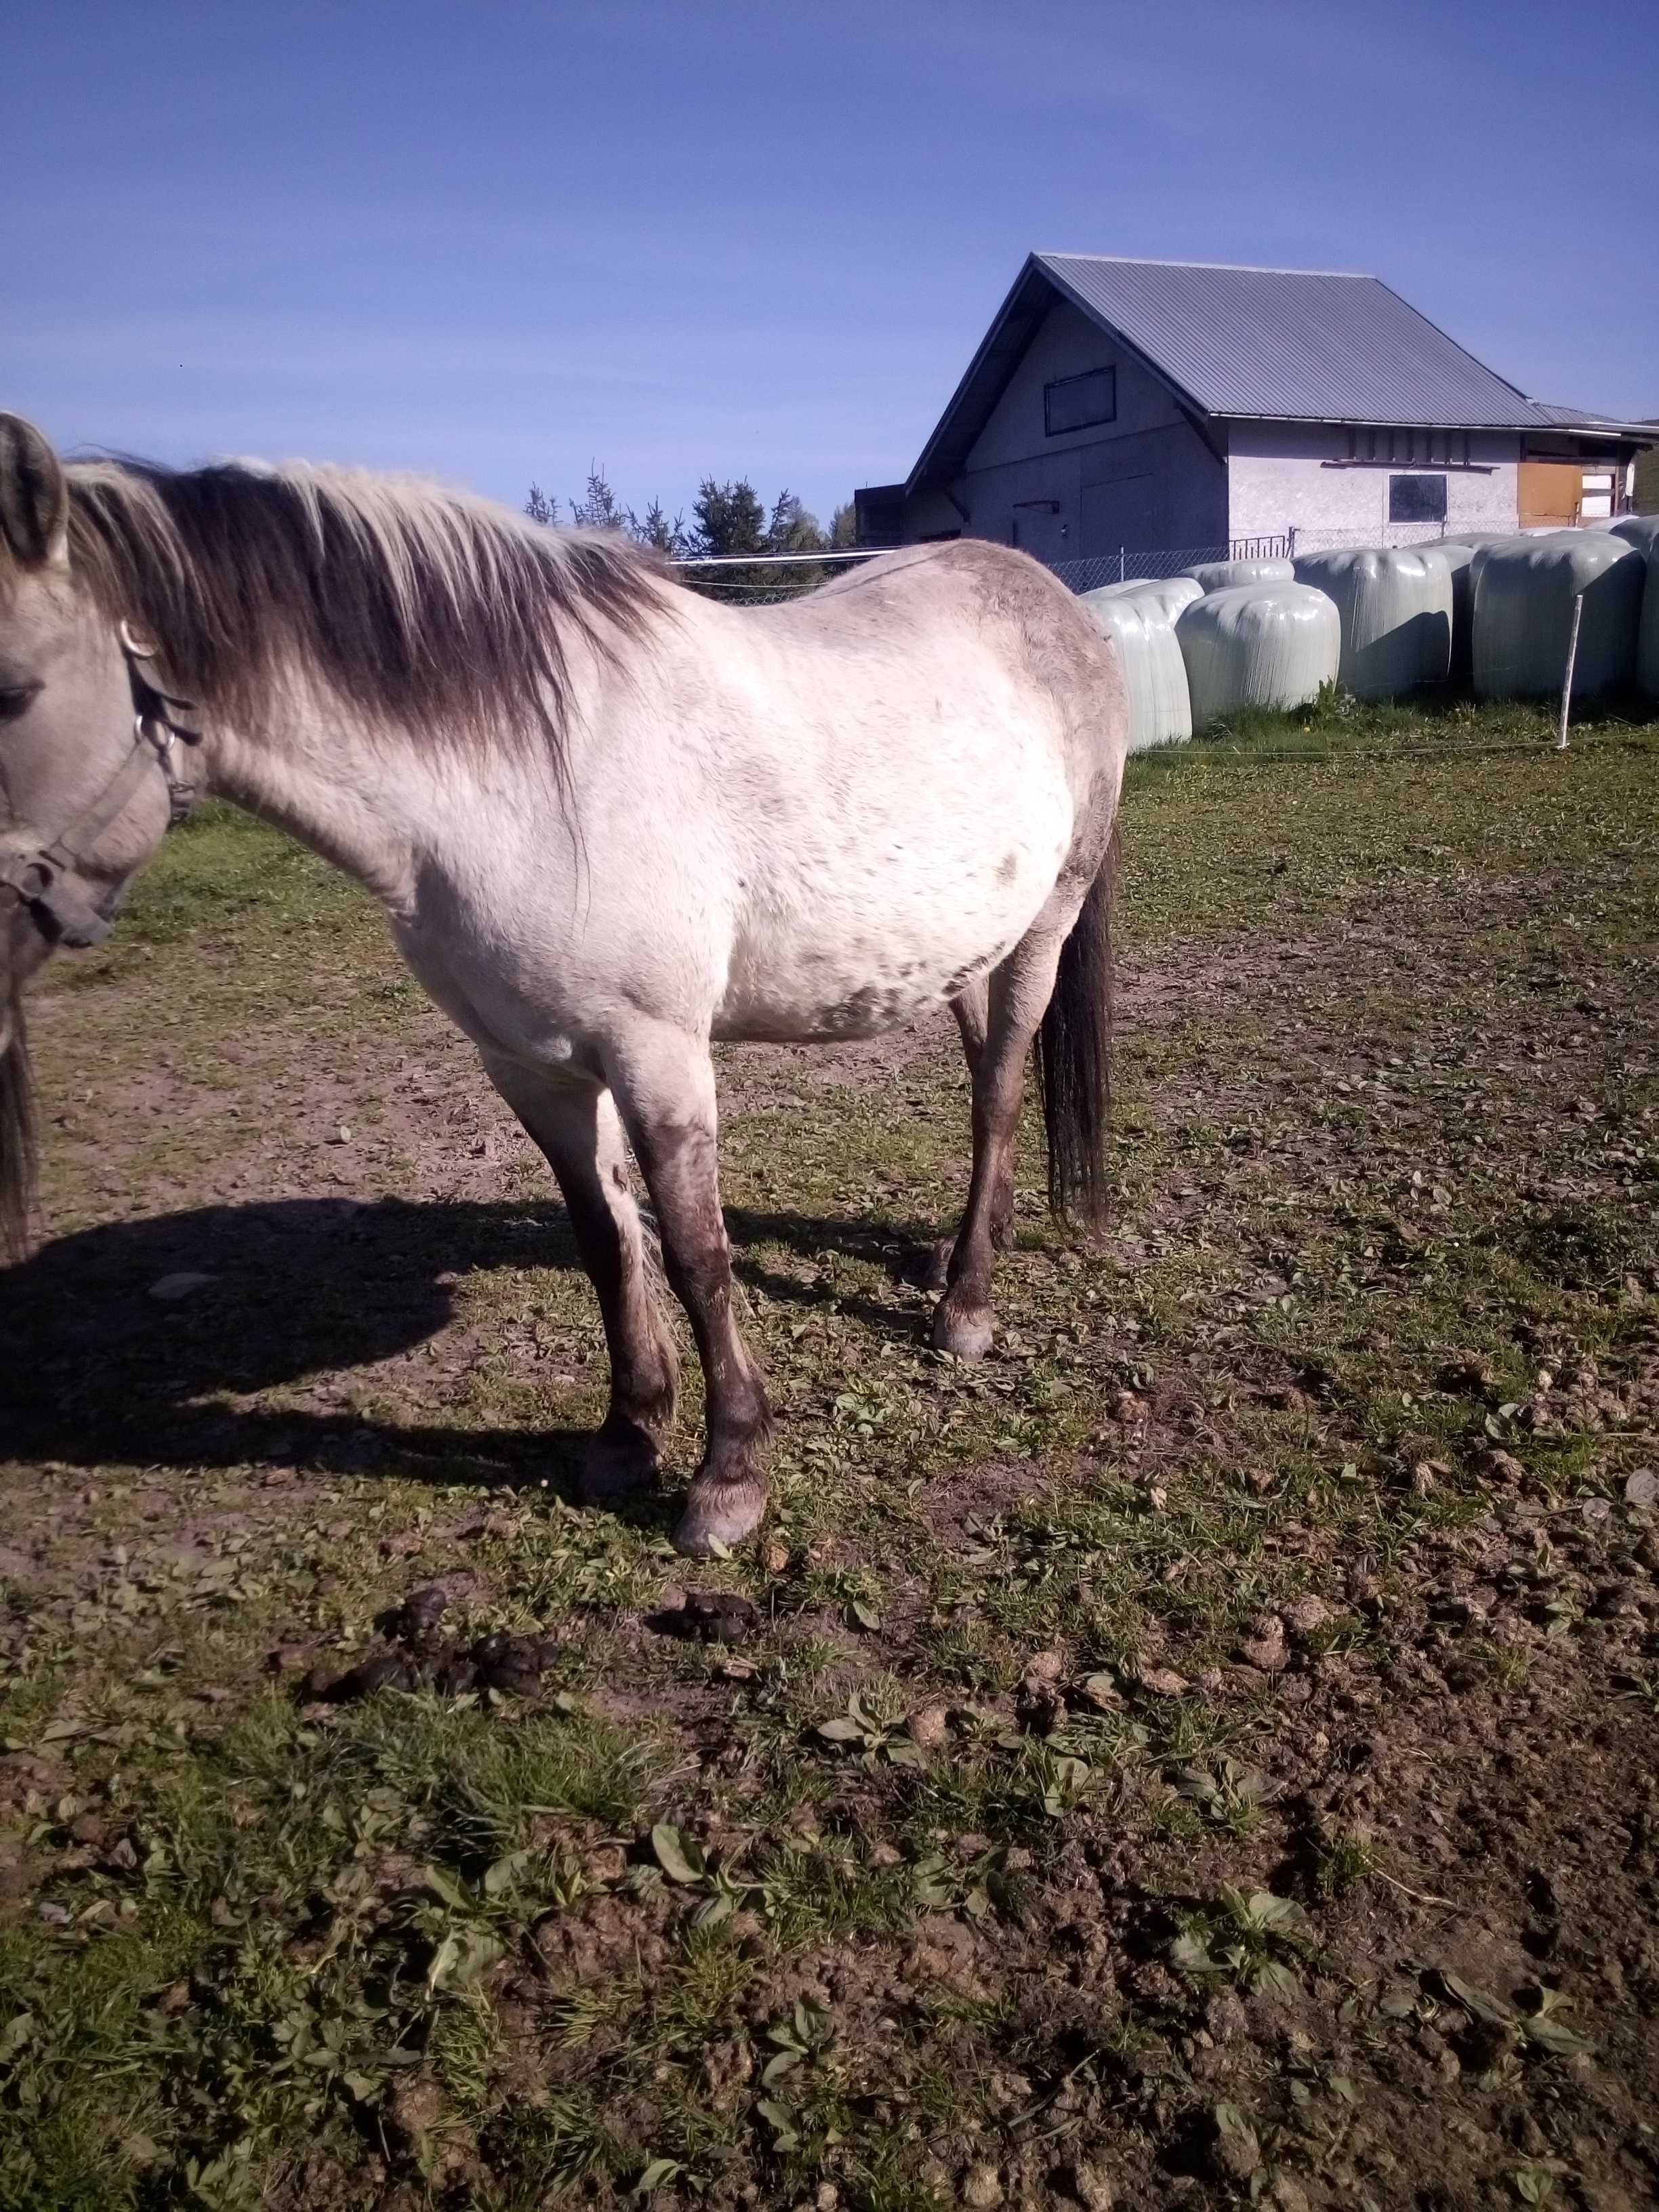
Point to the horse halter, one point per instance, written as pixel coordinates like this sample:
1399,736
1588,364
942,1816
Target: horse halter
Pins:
39,879
153,723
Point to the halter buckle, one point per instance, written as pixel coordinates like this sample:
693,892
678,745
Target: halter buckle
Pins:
153,723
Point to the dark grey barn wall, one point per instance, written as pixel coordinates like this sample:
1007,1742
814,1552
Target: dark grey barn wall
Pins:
1147,479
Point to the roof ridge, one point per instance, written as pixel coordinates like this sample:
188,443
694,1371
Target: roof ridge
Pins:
1243,267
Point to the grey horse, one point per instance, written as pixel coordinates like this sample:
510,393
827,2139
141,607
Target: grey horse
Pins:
609,822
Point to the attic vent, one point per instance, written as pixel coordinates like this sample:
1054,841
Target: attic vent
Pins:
1075,403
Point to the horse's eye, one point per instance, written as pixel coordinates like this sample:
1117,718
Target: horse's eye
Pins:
15,701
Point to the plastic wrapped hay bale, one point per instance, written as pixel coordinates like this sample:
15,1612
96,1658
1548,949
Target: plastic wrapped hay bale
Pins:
1524,589
1222,576
1258,645
1647,637
1154,673
1641,529
1458,555
1170,593
1395,607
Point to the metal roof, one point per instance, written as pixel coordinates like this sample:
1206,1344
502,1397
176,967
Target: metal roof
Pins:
1297,344
1257,344
1592,426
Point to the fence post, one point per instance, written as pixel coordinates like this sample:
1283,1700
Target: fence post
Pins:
1566,683
1121,551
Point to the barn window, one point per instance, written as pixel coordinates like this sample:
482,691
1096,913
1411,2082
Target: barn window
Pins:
1417,499
1074,402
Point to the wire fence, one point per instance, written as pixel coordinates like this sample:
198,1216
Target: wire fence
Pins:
746,580
763,582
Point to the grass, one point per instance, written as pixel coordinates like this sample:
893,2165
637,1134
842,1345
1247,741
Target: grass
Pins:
1067,1662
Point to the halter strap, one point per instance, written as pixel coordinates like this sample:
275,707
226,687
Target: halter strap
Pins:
37,879
153,724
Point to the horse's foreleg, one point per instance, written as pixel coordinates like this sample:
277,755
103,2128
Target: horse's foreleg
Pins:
576,1128
1019,994
664,1086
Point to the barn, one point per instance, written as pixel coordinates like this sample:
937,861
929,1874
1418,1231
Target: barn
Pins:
1119,412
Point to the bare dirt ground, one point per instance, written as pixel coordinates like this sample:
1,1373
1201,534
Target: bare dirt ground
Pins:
1205,1755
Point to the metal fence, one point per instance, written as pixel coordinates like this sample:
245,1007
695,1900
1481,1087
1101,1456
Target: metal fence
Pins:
759,581
763,580
1132,564
1403,537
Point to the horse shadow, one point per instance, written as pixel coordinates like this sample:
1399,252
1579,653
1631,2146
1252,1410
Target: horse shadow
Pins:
102,1366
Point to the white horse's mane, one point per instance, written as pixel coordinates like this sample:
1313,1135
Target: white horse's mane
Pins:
438,611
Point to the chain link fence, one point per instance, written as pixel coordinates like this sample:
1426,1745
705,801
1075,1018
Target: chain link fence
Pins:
1131,564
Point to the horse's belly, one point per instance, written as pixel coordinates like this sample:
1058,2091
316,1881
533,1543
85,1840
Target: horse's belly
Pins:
810,973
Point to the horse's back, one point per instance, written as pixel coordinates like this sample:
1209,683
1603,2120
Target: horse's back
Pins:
933,732
1012,604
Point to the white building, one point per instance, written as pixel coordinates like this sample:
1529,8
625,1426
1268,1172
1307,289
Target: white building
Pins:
1119,409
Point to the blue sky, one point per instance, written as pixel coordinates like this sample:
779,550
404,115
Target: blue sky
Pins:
496,240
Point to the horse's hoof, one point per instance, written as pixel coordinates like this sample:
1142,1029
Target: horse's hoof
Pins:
936,1272
621,1465
965,1333
718,1516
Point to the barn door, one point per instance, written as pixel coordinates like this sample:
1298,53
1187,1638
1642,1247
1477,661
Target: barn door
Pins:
1040,529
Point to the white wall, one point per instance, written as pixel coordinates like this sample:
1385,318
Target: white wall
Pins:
1280,477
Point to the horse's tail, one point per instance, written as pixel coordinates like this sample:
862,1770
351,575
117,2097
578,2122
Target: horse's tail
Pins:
1074,1056
17,1162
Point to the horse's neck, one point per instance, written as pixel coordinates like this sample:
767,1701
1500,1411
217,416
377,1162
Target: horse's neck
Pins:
365,802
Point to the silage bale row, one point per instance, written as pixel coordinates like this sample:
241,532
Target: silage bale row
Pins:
1257,644
1225,575
1395,607
1641,529
1523,592
1167,593
1647,637
1405,617
1154,673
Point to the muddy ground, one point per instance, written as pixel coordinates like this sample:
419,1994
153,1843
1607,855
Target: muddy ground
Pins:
1203,1756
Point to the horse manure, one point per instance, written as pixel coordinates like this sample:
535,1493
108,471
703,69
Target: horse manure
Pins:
509,1663
381,1670
426,1660
420,1613
710,1617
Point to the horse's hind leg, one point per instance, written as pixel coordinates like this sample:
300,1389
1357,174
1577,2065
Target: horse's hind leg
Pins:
576,1128
665,1085
1018,997
973,1013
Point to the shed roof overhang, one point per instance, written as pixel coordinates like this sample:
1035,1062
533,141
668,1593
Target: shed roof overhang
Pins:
1589,442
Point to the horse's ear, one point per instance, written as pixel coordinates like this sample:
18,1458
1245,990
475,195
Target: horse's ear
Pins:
33,496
